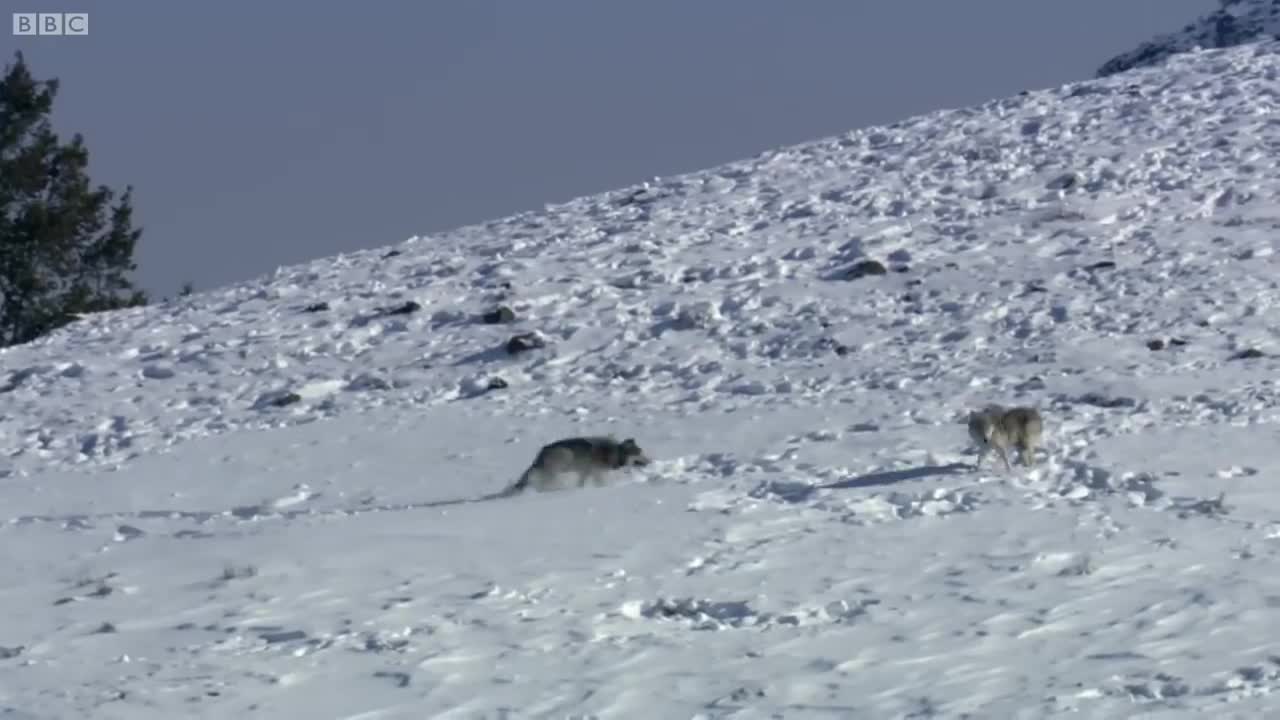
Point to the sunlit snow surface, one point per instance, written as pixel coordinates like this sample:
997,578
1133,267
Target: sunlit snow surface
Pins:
237,505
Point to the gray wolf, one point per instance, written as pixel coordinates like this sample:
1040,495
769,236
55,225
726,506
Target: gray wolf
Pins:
590,458
1000,429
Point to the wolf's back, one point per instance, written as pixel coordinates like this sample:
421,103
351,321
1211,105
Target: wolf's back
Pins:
1024,424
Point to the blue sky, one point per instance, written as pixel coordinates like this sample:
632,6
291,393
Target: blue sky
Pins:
262,134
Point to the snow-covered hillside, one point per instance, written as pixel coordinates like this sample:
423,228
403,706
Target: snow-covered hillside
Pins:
244,502
1236,22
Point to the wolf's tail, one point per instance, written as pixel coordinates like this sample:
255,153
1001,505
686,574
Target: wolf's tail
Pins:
517,487
514,488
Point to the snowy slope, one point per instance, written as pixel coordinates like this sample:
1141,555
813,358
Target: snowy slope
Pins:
246,501
1235,22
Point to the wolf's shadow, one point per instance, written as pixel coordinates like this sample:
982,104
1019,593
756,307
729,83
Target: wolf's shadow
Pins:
248,512
891,477
796,492
788,491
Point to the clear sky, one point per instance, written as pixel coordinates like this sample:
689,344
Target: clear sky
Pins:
259,134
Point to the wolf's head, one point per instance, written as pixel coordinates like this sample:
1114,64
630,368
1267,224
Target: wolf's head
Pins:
630,453
981,425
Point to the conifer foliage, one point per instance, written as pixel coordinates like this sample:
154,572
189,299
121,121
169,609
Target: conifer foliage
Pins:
66,248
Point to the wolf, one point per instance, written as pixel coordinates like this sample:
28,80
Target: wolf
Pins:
999,429
590,458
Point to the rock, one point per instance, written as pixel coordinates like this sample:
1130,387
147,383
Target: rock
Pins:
1034,382
404,308
524,342
1103,401
1100,265
640,196
367,382
497,383
1248,354
391,254
316,307
1065,181
865,268
401,679
500,315
288,398
1156,344
277,398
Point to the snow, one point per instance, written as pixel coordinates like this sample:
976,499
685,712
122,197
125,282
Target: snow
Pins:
255,500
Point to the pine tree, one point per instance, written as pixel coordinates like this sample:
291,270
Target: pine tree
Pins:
65,248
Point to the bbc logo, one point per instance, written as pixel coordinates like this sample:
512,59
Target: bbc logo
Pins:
51,23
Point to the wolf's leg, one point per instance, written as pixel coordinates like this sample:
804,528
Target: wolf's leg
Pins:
1004,457
982,453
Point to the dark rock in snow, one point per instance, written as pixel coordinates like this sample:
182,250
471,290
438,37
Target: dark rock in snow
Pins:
1030,384
865,268
273,636
401,679
500,315
640,196
1102,401
404,308
367,382
277,398
524,342
1065,181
